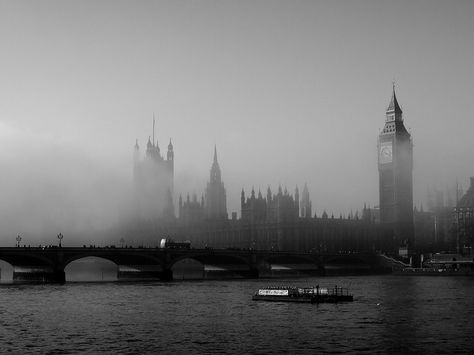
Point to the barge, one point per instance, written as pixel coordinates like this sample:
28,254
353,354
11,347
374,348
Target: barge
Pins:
304,294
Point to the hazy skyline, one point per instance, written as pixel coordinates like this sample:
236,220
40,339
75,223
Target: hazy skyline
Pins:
289,91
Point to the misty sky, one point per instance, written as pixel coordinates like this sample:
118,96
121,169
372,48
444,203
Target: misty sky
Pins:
289,91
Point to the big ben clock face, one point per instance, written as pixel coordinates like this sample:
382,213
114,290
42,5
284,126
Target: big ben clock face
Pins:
385,153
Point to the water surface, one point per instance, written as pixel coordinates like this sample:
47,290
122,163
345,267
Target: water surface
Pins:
391,314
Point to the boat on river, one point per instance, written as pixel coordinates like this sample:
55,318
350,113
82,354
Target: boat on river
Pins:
304,294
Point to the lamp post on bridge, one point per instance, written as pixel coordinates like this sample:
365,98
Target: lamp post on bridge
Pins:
18,240
121,242
60,237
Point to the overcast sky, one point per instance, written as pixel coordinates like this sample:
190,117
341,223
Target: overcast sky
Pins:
289,91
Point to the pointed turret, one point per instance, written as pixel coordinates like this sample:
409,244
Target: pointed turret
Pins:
394,112
216,204
149,148
170,154
215,169
136,152
305,203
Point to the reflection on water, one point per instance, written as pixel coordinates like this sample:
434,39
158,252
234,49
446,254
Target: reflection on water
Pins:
390,314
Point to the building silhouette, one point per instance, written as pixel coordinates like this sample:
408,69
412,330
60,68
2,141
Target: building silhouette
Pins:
275,221
153,181
284,221
463,220
212,207
216,203
395,164
305,203
191,211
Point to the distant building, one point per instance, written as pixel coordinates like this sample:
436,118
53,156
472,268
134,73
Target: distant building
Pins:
305,204
371,214
216,203
153,181
463,219
281,207
191,212
434,226
210,208
395,163
269,222
279,221
276,221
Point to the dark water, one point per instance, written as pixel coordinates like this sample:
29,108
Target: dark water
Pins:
391,314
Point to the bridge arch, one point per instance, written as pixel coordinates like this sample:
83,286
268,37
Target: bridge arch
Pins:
91,268
116,258
24,265
291,263
188,269
216,264
291,259
6,271
212,259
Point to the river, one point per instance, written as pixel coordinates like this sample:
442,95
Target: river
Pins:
390,314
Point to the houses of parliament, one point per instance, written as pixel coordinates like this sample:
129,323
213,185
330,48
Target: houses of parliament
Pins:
282,220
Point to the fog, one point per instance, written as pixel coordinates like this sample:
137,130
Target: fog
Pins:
51,186
291,92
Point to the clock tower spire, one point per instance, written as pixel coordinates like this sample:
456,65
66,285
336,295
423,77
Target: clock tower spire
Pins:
395,164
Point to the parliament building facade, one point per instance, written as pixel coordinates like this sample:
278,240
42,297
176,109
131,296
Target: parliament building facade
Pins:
284,221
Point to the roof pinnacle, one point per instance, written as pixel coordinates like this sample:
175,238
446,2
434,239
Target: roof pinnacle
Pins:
394,106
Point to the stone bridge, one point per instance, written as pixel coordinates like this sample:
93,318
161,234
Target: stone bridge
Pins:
47,264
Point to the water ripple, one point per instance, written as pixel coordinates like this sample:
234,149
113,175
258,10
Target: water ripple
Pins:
390,315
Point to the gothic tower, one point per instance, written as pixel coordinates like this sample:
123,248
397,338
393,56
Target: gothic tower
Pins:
215,193
395,163
153,179
305,203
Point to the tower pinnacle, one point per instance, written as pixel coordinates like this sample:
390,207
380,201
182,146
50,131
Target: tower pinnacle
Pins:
393,107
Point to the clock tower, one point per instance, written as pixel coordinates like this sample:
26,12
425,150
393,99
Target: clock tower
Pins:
395,163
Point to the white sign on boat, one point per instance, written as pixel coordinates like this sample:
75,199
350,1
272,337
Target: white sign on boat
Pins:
273,292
